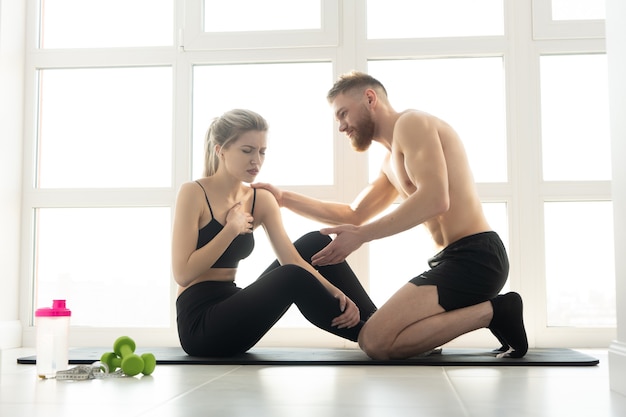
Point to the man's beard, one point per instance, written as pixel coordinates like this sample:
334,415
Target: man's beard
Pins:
363,133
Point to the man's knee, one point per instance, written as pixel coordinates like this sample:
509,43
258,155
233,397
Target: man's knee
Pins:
374,346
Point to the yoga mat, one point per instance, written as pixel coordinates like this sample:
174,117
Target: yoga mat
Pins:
329,356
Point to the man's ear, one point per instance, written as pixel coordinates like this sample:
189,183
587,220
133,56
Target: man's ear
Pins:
371,97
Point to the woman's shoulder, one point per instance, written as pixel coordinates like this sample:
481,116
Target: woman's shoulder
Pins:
190,190
265,201
263,194
190,186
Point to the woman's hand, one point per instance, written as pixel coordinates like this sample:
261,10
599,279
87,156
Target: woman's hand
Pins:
242,222
350,316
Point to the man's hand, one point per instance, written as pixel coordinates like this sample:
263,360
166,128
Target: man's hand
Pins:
278,194
347,240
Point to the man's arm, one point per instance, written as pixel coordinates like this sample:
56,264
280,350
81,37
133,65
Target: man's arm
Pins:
417,140
372,200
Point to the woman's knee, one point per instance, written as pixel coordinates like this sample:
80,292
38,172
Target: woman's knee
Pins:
291,276
311,243
292,270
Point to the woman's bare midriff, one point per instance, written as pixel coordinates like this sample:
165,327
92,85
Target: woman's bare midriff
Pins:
214,274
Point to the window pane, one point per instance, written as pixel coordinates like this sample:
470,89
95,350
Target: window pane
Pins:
468,93
300,139
255,15
578,9
575,118
396,259
105,127
392,19
106,23
111,264
580,264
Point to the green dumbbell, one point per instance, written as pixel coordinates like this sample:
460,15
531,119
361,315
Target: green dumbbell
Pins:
111,360
131,364
115,360
149,363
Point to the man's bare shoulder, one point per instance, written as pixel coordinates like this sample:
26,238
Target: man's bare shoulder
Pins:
413,126
414,116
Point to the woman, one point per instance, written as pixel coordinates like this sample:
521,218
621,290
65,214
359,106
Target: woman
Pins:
213,224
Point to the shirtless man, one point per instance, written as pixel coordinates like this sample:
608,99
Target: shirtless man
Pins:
427,167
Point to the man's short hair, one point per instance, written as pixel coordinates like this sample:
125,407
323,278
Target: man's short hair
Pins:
352,81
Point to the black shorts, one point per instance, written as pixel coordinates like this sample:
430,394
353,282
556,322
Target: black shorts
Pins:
469,271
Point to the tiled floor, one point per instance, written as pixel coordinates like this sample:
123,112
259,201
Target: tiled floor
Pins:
302,391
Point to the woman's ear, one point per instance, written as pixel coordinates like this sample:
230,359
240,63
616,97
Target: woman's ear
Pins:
218,150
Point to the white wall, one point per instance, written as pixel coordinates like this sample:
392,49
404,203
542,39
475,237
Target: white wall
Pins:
11,122
616,52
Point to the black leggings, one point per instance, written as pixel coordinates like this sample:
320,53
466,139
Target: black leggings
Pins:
220,319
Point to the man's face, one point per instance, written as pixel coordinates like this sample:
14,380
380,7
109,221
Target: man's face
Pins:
354,119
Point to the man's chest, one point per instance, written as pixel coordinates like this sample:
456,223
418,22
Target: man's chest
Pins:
396,172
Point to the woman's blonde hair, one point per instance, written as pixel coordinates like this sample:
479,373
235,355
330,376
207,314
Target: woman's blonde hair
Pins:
226,129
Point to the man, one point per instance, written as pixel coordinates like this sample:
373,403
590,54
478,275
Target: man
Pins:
427,167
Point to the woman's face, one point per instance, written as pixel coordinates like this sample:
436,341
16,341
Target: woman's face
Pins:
244,157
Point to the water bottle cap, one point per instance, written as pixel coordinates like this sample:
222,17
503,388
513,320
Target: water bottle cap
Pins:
58,310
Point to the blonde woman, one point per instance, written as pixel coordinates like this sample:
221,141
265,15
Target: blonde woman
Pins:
213,230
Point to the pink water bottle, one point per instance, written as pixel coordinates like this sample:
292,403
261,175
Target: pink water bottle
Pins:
53,326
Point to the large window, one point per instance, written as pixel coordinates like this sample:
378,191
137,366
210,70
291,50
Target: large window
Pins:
397,19
105,128
245,24
468,93
105,24
576,152
580,264
99,162
243,15
111,264
294,106
118,105
574,115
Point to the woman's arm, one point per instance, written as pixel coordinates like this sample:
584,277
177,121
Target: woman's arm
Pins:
267,212
189,263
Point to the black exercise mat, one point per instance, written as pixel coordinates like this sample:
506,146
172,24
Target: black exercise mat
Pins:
328,356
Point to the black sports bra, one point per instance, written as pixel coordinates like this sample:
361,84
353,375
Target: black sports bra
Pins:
238,249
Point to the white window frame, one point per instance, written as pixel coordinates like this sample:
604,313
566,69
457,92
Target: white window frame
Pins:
194,38
545,27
